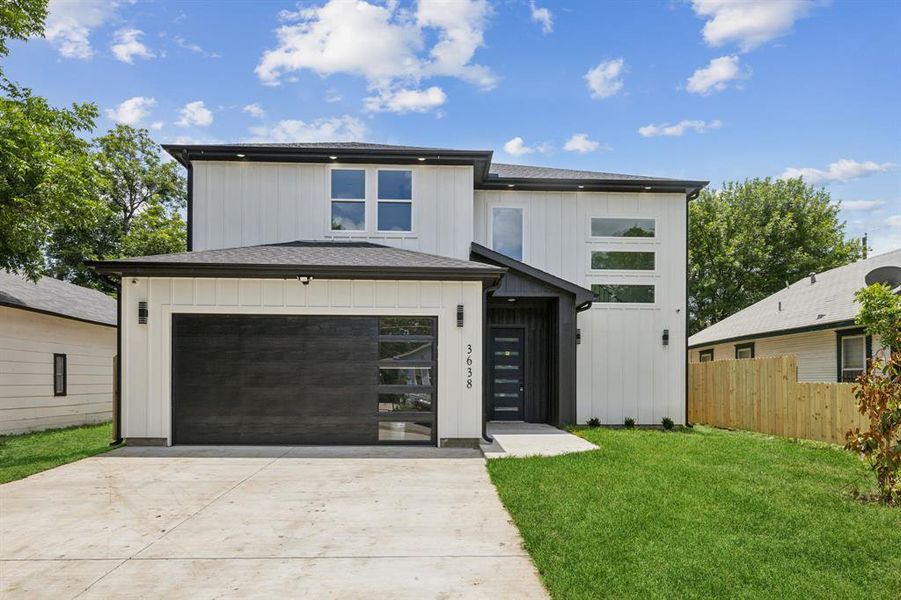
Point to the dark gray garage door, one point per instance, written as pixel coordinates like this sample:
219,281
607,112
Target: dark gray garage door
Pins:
301,380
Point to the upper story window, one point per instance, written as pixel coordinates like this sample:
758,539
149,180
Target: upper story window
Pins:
603,260
618,227
395,202
612,293
506,231
348,200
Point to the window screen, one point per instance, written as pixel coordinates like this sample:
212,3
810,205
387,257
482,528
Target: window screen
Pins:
59,374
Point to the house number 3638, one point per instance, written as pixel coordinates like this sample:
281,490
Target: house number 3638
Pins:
468,366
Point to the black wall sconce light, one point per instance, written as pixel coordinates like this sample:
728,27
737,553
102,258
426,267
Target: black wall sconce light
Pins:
459,315
666,337
578,336
142,312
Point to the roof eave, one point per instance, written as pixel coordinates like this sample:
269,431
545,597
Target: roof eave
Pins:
51,313
378,272
690,188
775,333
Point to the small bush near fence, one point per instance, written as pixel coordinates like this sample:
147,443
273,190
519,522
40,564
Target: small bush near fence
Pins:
764,395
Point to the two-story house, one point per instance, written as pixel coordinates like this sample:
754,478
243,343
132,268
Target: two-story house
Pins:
350,293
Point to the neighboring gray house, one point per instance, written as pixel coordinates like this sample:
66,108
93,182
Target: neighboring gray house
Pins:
348,293
812,319
57,343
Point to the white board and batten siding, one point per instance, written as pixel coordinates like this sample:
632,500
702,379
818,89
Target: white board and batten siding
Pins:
146,406
623,368
247,203
815,352
28,341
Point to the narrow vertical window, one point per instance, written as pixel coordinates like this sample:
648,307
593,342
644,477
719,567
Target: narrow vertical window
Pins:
854,357
59,374
348,200
506,231
395,200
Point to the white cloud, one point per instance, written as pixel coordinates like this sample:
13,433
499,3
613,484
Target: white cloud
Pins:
387,46
749,23
715,77
841,170
605,80
156,125
127,46
70,22
518,147
542,16
254,110
183,43
131,111
195,113
403,101
862,205
894,221
333,129
332,96
580,143
679,128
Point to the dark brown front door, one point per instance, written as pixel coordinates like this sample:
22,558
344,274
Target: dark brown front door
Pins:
506,377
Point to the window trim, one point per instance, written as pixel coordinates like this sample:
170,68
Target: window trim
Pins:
65,374
379,200
841,335
332,200
609,238
525,228
592,270
704,353
625,304
745,346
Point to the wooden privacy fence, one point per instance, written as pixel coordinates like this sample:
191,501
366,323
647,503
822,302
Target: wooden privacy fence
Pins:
764,394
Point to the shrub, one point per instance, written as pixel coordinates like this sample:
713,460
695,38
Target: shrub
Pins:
878,393
629,423
668,423
594,422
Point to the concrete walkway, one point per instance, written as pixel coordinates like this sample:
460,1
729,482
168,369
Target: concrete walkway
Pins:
532,439
262,522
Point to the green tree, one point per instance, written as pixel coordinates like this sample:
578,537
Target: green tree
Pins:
880,314
21,19
140,196
749,238
46,175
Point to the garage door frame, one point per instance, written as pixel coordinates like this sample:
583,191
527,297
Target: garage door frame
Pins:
430,417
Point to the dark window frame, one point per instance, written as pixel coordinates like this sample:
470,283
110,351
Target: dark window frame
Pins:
745,346
430,417
703,353
868,350
56,374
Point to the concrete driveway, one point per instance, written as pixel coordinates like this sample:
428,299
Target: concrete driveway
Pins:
262,522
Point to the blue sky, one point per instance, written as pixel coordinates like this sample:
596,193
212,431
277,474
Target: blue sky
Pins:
702,89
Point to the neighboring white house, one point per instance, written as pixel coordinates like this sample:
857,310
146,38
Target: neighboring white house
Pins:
57,343
322,276
812,319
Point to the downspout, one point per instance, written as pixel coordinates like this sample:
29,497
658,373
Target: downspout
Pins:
685,308
117,409
486,290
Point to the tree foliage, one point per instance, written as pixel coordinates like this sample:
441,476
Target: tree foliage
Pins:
880,314
21,19
46,174
748,239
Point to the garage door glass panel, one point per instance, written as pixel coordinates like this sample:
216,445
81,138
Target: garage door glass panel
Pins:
405,431
405,402
405,375
406,351
406,326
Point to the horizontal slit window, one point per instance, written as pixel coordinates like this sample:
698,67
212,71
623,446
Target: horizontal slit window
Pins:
405,431
623,293
405,375
405,351
622,261
406,402
622,227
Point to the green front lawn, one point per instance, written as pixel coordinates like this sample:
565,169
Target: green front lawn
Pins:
29,453
702,514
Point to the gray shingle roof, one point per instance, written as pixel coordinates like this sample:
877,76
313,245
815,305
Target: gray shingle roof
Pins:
530,172
348,146
804,304
310,257
57,297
